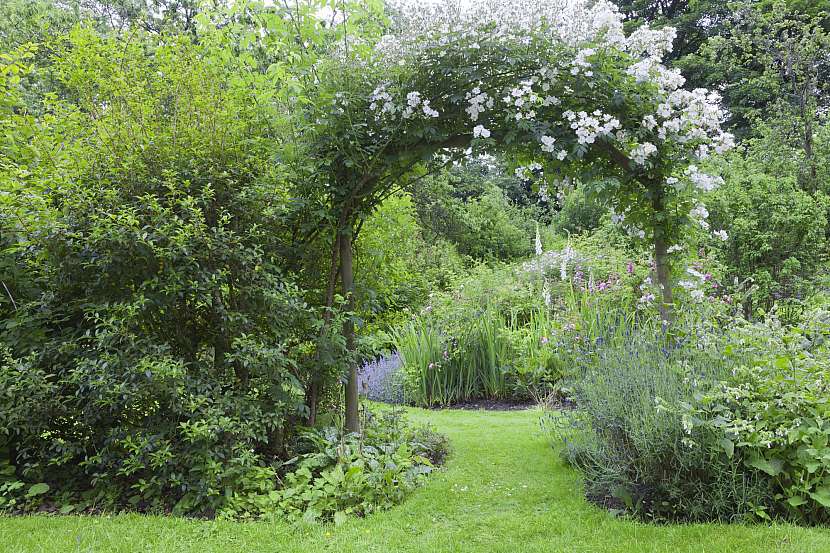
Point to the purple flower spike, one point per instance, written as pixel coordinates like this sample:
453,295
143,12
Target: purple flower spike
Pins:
379,380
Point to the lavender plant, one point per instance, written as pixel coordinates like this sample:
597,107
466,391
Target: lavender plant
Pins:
382,380
633,454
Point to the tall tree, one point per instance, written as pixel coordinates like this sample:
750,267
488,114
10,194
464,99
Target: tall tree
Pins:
781,62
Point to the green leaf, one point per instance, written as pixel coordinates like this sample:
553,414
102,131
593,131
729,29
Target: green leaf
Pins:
37,489
336,475
822,496
761,513
311,516
624,495
339,518
728,446
772,467
796,501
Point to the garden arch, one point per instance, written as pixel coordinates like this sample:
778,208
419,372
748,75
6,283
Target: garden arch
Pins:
556,84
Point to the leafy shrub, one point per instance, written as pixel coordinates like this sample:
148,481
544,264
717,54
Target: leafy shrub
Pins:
635,454
771,417
580,213
509,290
157,366
25,393
427,442
774,418
18,197
468,207
346,474
494,229
777,234
396,267
705,424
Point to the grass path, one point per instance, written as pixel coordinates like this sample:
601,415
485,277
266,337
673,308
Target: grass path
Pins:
503,490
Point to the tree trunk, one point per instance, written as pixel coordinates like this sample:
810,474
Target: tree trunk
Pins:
347,278
812,178
312,396
661,267
661,254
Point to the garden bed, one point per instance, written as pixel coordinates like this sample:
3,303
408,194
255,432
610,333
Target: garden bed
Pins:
492,405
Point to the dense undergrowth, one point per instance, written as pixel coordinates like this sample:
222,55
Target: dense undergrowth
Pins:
333,474
705,422
159,334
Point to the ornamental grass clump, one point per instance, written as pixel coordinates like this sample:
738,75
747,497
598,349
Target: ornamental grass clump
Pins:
421,348
441,370
486,351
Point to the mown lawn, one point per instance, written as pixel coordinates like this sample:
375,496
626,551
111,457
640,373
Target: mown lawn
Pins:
503,490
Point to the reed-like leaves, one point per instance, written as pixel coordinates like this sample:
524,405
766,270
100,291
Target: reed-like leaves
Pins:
441,371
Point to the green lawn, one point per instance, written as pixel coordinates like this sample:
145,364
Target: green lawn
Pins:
502,490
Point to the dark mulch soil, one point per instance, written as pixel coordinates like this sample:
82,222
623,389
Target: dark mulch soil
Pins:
491,405
554,401
560,403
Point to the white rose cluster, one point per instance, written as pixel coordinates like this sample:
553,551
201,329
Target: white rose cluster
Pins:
583,27
567,57
572,22
588,127
699,214
650,43
580,64
641,152
479,131
478,102
382,103
702,181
